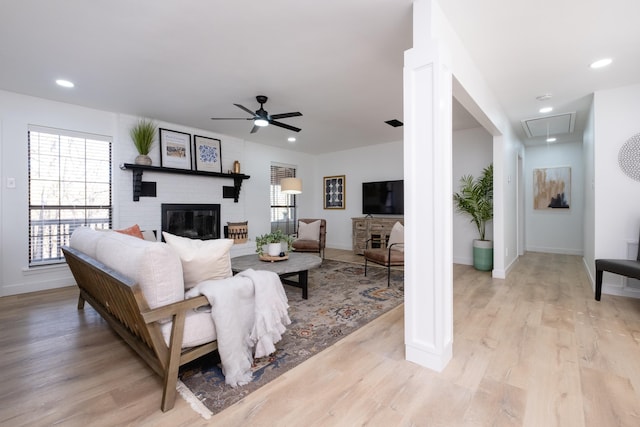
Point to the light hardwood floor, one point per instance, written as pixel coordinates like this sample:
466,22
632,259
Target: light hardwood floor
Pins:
532,350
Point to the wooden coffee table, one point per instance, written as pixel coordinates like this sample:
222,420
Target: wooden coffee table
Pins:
297,265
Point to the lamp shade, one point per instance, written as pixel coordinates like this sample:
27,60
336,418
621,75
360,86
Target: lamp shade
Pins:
291,185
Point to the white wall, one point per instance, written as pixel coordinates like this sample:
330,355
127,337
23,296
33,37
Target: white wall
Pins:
16,113
472,152
555,230
616,201
589,226
373,163
472,92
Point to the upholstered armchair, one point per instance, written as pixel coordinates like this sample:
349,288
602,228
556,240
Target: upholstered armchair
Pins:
312,236
389,253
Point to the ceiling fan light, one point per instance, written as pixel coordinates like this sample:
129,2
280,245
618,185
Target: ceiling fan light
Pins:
261,122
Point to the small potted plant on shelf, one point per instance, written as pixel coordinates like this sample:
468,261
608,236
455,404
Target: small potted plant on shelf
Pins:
144,136
273,241
475,199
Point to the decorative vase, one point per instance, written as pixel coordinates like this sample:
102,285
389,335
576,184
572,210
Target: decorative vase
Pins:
483,255
236,167
274,249
143,160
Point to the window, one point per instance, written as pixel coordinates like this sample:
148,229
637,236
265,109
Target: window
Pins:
283,206
69,186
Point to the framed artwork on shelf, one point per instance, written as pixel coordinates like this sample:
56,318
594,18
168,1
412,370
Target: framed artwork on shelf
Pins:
552,188
334,192
175,149
207,153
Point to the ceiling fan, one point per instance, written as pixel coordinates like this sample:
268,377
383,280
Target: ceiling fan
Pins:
262,118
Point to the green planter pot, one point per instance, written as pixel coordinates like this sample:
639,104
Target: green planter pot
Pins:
483,255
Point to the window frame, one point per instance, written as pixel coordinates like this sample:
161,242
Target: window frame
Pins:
289,226
57,221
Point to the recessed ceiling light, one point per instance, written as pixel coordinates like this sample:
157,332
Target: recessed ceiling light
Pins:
551,139
544,97
546,110
64,83
601,63
291,139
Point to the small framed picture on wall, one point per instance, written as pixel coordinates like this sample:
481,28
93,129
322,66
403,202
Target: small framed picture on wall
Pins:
207,154
334,192
175,149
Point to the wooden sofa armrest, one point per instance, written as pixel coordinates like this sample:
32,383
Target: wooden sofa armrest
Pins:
159,313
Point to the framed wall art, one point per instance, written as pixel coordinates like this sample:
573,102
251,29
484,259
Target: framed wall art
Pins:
175,149
334,192
207,152
552,188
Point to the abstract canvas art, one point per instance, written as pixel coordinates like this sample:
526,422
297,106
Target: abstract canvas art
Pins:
552,188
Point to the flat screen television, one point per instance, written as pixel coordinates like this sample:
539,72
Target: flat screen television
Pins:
383,197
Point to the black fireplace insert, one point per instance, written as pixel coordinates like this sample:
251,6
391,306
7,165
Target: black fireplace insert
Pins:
195,221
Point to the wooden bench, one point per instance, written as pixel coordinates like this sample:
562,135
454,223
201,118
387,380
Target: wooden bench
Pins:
120,301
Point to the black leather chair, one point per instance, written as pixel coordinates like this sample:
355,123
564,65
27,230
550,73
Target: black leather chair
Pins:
624,267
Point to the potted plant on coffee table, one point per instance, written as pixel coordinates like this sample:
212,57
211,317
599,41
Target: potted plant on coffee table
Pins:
475,199
273,242
143,135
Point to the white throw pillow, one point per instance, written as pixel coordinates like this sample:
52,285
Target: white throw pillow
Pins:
154,266
310,231
396,236
201,259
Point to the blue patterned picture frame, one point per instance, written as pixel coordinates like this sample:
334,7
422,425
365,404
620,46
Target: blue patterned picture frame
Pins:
208,154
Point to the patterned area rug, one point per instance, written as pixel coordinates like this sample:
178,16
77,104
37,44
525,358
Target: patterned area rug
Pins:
341,300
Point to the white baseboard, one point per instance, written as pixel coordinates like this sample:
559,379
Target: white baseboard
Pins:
562,251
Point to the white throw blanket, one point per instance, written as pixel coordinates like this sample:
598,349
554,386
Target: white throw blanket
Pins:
248,309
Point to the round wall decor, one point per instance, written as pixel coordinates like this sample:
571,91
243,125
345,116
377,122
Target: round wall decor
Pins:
629,157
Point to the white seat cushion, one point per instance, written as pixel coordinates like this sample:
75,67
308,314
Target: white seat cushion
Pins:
198,329
201,259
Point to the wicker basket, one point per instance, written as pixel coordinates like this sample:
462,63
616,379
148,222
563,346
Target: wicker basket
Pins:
238,231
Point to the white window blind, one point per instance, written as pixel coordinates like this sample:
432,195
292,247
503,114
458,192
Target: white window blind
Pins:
69,186
283,206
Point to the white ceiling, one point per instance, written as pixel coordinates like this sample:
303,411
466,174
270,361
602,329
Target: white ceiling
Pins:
530,48
339,62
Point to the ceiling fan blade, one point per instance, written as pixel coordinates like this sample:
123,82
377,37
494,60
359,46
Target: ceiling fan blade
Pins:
285,115
231,118
255,129
245,109
282,125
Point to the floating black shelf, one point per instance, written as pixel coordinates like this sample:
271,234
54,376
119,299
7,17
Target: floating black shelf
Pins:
138,170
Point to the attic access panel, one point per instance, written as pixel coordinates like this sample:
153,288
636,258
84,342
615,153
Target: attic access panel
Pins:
549,125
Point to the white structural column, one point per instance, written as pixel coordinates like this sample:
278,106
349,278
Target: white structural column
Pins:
428,205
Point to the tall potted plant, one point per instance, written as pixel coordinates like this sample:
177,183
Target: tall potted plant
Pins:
144,136
475,199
